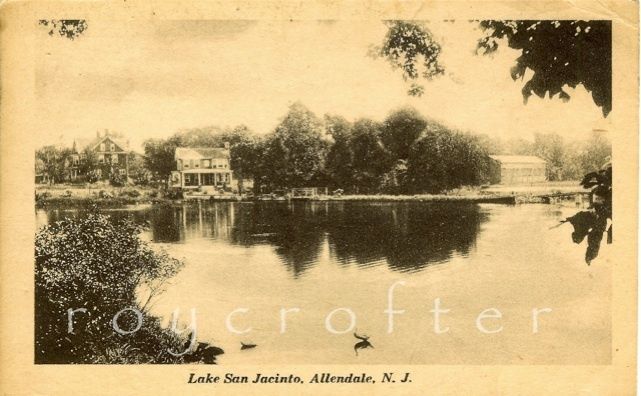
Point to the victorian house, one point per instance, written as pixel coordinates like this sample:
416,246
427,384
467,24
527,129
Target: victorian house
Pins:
111,153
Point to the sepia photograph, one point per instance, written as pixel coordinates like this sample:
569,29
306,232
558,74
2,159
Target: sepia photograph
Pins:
220,191
318,197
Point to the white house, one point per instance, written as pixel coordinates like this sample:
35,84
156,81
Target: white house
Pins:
198,168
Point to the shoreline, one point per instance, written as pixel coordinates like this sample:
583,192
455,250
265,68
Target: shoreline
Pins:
106,196
74,202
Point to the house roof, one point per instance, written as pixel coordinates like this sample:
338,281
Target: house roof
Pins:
201,152
81,144
518,159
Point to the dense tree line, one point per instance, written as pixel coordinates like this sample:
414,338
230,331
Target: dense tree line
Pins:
405,153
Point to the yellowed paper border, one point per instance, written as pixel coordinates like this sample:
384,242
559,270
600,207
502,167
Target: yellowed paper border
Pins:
18,139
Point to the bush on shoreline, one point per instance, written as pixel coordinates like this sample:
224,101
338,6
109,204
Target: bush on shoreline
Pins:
98,264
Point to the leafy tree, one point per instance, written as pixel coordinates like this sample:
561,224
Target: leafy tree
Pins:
410,46
243,152
558,52
519,146
137,170
395,180
339,161
400,130
159,157
53,163
210,136
295,151
444,159
46,158
594,223
269,153
551,148
595,152
88,165
370,160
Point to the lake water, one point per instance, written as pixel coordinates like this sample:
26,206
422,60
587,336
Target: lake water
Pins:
323,256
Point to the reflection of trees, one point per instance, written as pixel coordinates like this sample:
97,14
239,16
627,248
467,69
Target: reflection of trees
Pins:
296,231
406,236
164,224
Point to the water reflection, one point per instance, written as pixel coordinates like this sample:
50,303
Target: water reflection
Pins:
406,237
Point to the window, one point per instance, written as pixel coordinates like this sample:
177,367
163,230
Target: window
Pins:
122,172
101,158
206,163
114,158
209,179
191,179
113,147
102,147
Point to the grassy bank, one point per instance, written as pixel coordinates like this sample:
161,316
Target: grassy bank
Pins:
108,196
100,194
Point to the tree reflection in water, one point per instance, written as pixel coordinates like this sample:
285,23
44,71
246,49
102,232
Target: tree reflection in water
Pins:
405,236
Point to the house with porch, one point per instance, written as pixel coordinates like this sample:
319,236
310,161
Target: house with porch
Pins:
202,169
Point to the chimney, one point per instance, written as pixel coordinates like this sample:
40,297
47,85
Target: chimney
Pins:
106,132
98,133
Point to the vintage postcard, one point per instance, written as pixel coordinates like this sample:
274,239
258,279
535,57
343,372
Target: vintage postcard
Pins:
318,197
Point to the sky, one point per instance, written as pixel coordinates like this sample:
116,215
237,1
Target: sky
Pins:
149,79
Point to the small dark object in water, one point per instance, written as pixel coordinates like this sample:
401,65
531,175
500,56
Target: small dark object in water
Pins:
362,344
204,353
246,346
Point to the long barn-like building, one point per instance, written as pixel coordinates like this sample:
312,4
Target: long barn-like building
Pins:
517,169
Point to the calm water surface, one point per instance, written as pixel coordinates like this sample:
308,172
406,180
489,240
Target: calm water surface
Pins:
321,256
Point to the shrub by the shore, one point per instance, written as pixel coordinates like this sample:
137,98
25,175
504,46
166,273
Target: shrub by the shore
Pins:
98,264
